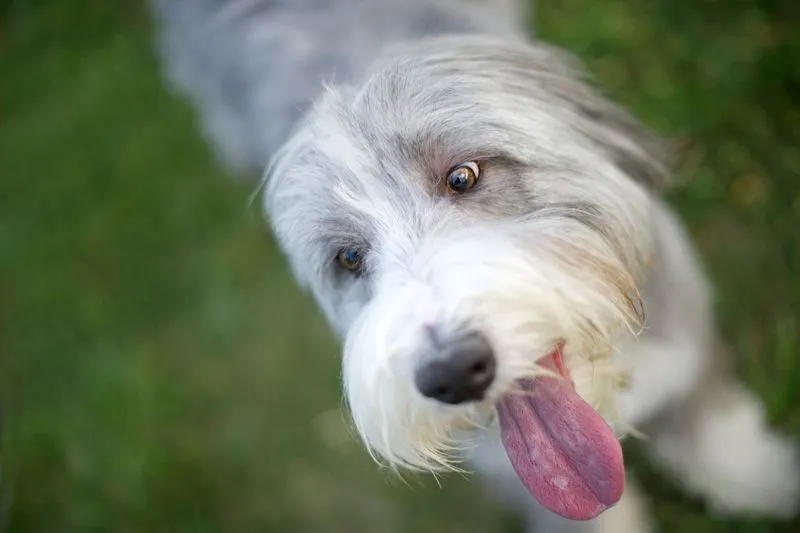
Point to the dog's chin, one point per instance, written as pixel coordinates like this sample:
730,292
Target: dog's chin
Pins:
562,448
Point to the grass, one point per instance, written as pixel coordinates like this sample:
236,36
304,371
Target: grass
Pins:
153,344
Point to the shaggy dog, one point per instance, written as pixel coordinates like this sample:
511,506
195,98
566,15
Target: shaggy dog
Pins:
484,231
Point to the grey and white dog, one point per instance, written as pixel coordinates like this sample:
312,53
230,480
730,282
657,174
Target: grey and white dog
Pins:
485,233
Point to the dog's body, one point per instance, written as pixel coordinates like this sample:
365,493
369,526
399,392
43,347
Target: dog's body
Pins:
471,191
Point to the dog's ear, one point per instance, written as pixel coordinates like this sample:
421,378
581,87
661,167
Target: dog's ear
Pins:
632,148
628,143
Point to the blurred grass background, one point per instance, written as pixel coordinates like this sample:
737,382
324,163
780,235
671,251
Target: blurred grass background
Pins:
159,371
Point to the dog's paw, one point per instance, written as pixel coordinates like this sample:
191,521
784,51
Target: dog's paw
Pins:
735,460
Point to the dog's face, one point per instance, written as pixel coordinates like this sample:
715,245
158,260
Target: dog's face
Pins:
473,221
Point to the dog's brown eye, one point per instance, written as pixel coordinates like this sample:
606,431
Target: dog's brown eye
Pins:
349,258
463,177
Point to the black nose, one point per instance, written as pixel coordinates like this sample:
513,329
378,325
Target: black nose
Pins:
460,371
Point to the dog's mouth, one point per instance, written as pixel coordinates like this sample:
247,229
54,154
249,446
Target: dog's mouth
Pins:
563,451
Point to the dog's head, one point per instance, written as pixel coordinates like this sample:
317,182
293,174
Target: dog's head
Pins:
473,220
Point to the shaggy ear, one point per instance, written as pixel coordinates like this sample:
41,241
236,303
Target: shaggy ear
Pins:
631,146
634,149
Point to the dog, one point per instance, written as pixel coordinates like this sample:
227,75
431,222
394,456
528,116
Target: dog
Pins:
486,234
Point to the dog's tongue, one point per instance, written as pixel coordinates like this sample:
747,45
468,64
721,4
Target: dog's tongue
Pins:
562,450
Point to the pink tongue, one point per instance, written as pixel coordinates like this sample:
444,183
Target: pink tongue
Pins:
562,450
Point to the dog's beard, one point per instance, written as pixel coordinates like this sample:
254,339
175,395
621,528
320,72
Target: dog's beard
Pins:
529,290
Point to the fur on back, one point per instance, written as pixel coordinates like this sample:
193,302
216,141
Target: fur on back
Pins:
252,67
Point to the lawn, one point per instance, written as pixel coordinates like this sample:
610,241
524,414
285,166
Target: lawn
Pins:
159,371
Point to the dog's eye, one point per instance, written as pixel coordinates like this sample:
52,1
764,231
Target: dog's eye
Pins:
349,258
463,177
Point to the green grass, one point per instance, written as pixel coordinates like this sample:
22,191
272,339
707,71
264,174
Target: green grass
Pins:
152,343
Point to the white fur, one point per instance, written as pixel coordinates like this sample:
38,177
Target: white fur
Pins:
494,294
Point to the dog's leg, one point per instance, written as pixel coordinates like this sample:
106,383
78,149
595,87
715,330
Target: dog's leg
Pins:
628,516
718,445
